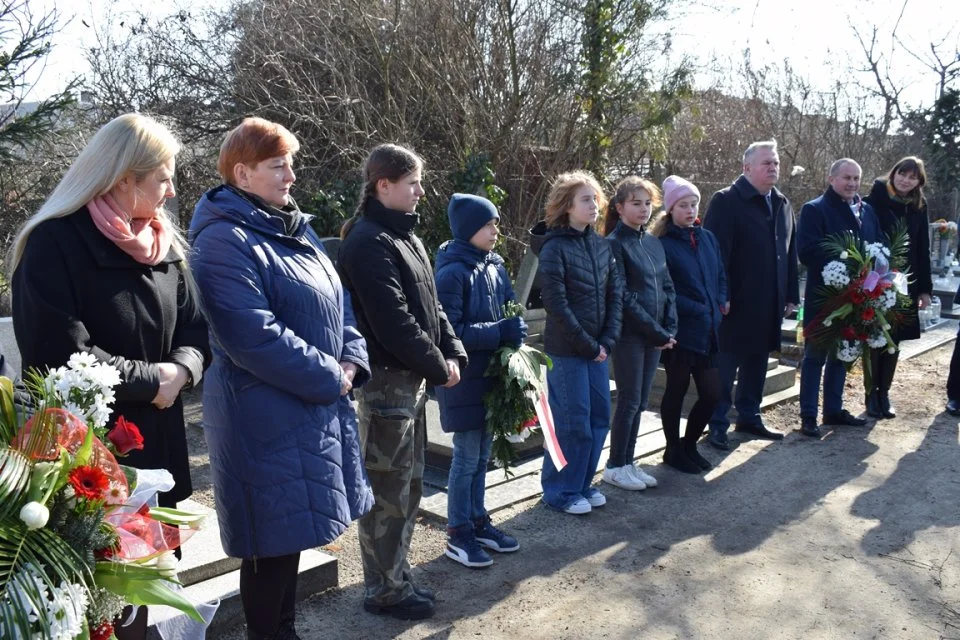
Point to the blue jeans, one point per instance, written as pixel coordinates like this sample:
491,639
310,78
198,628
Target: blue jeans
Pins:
750,372
634,367
580,401
468,474
815,365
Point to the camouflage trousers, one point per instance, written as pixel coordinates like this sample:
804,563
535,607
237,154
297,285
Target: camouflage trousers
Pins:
393,441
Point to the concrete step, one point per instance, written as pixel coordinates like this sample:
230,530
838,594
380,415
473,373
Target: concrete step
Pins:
502,492
440,444
208,575
317,572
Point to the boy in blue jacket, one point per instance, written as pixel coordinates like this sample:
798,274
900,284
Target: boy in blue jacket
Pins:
472,286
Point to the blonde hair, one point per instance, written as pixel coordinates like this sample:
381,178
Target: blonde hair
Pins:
659,225
626,188
562,191
131,144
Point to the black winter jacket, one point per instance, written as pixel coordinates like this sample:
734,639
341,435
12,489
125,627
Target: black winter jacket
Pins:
649,299
889,213
75,290
581,291
387,271
760,258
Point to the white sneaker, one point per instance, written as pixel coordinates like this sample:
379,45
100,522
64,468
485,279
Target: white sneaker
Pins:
624,478
579,507
643,476
596,499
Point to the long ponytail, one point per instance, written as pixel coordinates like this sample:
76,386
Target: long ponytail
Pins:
385,162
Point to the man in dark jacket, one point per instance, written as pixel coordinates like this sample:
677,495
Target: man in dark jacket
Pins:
754,224
839,209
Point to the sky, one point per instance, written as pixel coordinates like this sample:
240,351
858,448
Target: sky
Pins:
815,36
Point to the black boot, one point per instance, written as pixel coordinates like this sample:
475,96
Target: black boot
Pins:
888,367
675,456
690,448
287,629
871,399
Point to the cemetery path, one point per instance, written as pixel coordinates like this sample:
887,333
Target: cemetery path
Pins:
853,536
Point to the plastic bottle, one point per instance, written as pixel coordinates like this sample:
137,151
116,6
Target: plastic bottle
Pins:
800,324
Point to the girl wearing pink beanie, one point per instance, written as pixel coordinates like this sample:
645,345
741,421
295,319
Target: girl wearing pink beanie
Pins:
696,268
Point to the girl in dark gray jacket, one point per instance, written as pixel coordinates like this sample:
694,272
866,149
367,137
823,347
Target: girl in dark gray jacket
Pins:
649,322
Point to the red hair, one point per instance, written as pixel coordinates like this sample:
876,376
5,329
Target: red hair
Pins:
251,142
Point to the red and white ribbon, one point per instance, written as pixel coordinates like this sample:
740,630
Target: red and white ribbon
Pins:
550,442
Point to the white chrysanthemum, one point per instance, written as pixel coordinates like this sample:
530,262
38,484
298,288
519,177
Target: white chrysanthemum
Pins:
835,274
877,341
888,300
82,359
877,250
66,610
848,351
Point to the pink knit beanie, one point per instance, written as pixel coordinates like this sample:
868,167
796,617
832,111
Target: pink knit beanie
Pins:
675,188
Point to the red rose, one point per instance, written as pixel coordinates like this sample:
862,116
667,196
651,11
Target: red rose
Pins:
125,436
867,314
89,482
849,333
857,297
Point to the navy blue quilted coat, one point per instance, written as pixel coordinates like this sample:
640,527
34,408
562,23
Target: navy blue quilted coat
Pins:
284,446
472,285
701,283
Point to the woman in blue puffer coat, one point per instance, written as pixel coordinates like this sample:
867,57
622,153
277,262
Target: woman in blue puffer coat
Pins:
281,431
696,268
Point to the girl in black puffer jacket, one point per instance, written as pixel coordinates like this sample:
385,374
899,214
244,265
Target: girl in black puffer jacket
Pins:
693,256
581,294
649,322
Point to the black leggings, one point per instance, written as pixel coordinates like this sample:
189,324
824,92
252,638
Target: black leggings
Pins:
678,381
268,590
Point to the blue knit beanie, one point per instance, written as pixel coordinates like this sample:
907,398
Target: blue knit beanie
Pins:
468,214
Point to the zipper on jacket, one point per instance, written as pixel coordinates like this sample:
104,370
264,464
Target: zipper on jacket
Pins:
493,304
596,282
656,288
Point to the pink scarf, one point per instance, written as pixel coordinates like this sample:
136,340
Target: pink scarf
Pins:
146,240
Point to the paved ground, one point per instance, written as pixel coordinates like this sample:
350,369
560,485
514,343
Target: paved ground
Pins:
853,536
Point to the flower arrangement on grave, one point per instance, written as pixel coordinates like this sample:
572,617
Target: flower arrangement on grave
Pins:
945,230
864,295
78,539
519,378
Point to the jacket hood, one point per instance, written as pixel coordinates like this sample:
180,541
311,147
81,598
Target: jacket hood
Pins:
541,234
459,251
225,203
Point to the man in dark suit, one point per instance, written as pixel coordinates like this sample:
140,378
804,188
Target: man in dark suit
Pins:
839,209
754,224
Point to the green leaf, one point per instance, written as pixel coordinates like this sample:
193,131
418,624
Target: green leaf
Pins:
176,517
8,412
15,471
140,584
39,548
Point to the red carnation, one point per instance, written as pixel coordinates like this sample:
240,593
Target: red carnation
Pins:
849,333
867,314
125,436
89,482
102,631
857,297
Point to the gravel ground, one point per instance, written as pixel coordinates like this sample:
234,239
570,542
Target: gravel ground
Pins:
852,536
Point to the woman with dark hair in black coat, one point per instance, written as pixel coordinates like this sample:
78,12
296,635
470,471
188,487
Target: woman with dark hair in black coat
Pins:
898,200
